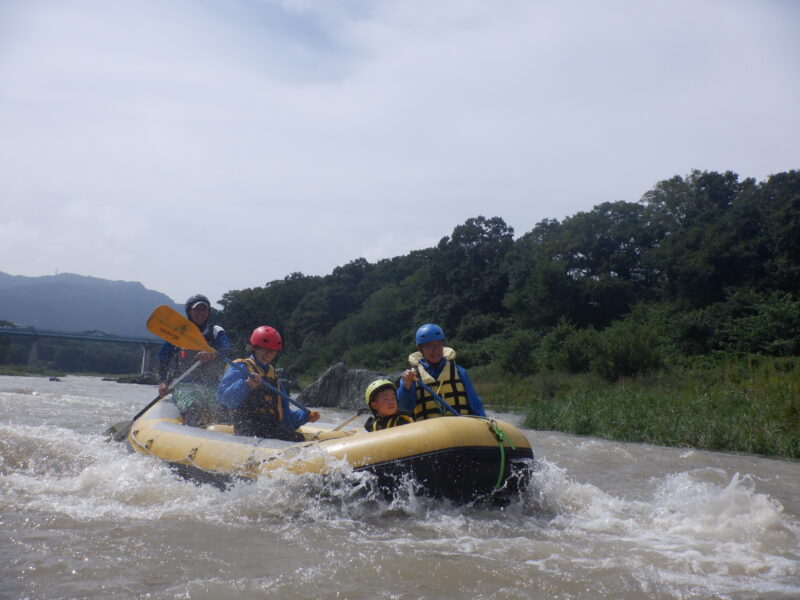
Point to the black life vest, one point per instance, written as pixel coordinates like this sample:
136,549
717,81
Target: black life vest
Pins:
375,423
261,412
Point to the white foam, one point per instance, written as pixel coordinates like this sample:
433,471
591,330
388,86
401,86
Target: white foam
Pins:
697,528
700,531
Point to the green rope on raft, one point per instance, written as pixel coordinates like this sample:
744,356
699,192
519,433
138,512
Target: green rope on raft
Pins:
502,440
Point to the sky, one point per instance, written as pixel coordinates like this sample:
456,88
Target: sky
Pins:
203,146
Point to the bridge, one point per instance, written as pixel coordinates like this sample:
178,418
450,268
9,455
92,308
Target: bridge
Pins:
147,343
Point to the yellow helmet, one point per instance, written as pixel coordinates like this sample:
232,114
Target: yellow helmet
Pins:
375,386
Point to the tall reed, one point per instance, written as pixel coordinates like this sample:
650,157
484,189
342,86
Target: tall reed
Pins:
747,404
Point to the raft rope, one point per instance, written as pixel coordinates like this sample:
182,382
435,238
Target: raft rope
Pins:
502,439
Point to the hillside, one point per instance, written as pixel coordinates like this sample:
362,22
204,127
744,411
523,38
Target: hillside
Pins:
69,302
705,265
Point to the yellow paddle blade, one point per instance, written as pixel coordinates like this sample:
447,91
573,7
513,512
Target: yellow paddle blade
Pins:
179,331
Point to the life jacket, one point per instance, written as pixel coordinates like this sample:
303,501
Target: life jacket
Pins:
261,412
448,386
208,373
375,423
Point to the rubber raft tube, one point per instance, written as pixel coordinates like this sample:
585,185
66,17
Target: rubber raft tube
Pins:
460,458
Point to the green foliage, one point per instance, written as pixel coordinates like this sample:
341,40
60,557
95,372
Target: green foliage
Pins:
385,357
747,321
518,355
625,349
480,352
567,348
761,323
713,233
476,327
748,405
702,264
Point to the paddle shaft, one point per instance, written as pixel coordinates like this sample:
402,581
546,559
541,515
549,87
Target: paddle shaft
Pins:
174,383
360,412
436,397
119,431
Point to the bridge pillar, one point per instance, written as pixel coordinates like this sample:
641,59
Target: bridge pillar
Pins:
33,355
145,370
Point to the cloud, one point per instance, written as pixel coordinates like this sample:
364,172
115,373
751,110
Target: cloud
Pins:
214,146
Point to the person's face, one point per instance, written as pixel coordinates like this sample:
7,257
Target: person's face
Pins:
265,355
199,314
432,351
384,402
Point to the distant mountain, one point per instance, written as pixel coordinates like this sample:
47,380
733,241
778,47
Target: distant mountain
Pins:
69,302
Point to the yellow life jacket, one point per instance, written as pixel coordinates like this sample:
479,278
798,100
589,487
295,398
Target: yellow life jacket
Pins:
378,423
448,386
261,401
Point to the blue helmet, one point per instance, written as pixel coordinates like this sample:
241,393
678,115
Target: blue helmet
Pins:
428,333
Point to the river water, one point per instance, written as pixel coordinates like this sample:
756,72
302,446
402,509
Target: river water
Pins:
83,518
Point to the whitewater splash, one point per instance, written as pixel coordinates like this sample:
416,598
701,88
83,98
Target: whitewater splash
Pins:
703,531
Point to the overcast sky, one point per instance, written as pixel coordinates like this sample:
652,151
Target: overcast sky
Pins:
212,145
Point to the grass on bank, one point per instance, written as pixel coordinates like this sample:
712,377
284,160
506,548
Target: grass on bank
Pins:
747,405
23,370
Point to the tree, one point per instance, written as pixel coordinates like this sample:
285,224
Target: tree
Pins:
781,197
702,247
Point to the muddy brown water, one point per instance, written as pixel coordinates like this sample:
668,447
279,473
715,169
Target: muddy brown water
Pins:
83,518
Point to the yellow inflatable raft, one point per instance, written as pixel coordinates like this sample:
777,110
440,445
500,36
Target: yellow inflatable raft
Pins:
461,458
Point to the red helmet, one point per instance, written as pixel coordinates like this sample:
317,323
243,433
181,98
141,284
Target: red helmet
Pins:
266,337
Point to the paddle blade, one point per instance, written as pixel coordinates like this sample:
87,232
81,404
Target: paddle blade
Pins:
119,431
176,329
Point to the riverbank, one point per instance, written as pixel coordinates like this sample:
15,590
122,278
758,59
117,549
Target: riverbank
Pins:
747,405
25,371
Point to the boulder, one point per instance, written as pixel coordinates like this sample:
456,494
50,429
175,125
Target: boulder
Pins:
340,387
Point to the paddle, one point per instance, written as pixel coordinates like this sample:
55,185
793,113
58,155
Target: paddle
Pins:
361,411
436,397
173,327
119,431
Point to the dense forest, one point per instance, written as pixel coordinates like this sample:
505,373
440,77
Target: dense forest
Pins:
701,265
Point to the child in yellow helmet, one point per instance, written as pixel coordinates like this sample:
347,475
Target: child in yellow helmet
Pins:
381,398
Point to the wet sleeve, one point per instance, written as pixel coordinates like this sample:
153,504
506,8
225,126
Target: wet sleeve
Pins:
406,398
292,419
232,389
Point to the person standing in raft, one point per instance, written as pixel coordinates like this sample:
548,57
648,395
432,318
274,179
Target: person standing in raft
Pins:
381,398
195,396
257,410
435,365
